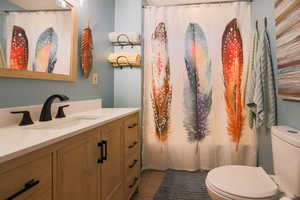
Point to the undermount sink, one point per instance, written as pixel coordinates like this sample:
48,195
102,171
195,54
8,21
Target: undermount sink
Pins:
64,123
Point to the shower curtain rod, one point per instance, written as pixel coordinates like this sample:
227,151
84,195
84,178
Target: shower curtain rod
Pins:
41,10
200,3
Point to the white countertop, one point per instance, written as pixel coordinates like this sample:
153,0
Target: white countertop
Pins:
16,141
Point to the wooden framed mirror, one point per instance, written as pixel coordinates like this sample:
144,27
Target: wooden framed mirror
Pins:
38,39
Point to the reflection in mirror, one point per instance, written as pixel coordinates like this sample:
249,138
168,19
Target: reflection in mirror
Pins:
36,36
34,5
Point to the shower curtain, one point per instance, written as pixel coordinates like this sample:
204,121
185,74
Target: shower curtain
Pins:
194,80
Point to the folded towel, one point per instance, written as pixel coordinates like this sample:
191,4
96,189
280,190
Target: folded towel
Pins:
122,38
125,59
261,92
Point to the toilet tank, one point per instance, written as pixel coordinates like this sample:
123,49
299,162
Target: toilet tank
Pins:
286,157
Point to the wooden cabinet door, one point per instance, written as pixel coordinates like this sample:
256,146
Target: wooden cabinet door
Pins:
27,181
77,168
112,166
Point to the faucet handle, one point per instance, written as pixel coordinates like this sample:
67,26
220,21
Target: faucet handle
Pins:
26,120
60,112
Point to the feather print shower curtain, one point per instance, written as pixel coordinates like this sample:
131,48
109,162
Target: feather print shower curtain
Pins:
194,78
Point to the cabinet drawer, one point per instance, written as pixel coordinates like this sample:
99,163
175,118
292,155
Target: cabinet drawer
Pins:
132,149
132,140
30,181
132,163
132,182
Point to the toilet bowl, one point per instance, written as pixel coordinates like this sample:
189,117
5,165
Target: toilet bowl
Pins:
241,183
248,183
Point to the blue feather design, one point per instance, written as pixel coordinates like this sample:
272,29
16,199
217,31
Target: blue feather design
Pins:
198,93
48,37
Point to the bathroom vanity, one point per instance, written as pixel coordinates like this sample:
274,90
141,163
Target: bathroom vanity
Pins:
87,156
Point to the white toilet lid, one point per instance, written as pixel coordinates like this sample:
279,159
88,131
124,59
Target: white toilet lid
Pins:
242,181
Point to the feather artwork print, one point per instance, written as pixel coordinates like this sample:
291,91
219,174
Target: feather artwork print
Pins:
45,52
161,94
232,58
86,52
19,49
197,98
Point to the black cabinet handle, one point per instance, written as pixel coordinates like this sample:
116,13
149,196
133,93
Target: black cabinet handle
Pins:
133,125
133,164
105,149
134,182
100,160
133,145
30,184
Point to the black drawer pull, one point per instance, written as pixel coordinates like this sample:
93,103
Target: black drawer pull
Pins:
133,125
105,150
134,182
30,184
100,160
133,164
133,145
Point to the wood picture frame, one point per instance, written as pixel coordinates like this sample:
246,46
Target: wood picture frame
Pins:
72,77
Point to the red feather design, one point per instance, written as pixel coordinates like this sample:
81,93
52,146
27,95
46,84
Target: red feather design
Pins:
19,49
232,57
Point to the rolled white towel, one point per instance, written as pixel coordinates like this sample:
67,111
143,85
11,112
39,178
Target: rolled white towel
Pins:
125,59
122,37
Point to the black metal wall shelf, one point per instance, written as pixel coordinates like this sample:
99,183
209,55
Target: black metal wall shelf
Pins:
122,44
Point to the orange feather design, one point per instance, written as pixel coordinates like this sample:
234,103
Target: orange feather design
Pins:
232,58
161,95
86,52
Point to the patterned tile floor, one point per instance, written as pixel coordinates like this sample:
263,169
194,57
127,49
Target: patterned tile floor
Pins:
150,182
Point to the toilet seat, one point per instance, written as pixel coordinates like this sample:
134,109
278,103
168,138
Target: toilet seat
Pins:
241,183
226,196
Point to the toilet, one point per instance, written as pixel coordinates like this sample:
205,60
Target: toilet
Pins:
236,182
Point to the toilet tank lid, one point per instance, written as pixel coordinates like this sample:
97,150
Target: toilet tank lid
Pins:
287,134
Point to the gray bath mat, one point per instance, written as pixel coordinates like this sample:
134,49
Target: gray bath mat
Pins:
183,185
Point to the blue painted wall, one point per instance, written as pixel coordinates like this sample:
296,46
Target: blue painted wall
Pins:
20,92
289,113
128,82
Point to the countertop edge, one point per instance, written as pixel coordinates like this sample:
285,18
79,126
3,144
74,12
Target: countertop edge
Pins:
49,142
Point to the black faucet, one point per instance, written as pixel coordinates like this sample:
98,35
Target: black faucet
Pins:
46,111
